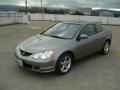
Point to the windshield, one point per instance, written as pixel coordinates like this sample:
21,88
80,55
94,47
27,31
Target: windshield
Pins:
63,30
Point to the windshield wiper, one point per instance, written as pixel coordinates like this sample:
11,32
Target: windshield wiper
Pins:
57,37
42,34
53,36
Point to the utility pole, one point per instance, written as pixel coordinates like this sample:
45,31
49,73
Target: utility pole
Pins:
41,10
41,6
26,8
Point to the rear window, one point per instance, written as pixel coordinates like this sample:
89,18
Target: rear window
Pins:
99,28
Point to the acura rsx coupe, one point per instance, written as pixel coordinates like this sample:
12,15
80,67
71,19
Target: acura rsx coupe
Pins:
57,48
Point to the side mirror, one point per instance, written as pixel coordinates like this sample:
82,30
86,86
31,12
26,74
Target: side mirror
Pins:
82,36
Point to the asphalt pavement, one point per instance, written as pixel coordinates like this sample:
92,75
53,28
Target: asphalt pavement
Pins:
95,72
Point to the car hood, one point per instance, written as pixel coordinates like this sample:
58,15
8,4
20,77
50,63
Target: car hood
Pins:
39,43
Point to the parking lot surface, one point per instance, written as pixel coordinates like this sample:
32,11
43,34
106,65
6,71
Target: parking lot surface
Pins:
95,72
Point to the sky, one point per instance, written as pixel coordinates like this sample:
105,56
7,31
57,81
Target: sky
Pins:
66,3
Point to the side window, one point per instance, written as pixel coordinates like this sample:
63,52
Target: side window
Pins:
99,28
89,30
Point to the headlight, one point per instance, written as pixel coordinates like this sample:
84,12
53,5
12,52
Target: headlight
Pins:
43,55
17,47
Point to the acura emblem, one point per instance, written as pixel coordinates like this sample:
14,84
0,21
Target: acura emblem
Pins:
23,53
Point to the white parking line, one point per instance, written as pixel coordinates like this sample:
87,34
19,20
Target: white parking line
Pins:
34,28
116,53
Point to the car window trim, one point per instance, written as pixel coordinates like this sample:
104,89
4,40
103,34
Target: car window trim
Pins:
48,28
97,30
85,26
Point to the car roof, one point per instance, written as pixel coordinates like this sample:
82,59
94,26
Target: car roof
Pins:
79,22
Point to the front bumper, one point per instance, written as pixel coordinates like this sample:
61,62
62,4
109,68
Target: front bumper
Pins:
42,67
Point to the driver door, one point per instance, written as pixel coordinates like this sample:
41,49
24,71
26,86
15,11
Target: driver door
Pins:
88,45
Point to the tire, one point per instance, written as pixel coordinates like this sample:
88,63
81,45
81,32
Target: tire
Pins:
106,48
64,64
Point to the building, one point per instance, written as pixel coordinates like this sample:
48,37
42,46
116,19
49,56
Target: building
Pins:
85,11
106,14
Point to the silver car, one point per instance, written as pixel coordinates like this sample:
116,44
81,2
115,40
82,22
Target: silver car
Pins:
57,48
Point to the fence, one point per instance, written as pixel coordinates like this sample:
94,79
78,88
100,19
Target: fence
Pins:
12,17
98,19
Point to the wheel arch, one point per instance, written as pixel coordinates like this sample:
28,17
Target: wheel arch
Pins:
70,52
109,40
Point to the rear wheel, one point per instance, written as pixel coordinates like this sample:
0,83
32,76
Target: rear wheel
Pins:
64,64
106,48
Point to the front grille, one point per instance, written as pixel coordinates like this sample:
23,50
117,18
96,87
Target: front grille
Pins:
27,65
24,53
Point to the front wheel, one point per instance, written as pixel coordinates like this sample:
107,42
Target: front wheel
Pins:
64,64
106,48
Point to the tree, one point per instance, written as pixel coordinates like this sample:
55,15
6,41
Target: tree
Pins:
77,13
61,12
35,10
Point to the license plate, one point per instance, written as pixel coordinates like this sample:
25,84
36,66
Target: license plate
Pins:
20,62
